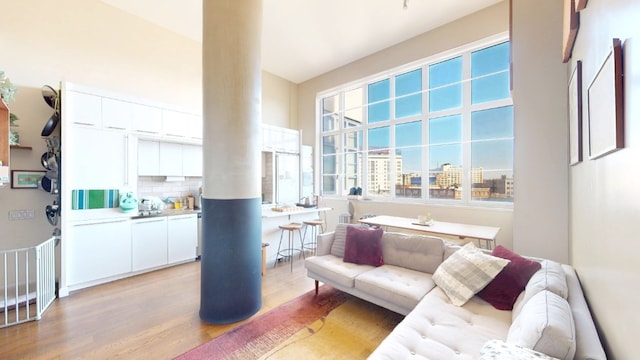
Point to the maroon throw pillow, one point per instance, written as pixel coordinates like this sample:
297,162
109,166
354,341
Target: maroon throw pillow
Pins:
363,246
504,289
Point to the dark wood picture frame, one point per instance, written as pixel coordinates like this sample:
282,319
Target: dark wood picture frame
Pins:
26,179
575,114
570,24
606,105
581,4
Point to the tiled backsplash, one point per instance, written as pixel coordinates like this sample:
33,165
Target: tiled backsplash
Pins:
157,186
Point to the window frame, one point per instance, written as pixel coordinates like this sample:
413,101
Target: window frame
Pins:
465,111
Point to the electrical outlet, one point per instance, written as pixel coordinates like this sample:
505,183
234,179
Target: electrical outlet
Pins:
21,214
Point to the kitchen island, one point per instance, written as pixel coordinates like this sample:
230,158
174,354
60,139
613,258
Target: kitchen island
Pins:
271,220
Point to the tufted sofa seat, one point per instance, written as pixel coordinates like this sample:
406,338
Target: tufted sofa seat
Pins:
435,328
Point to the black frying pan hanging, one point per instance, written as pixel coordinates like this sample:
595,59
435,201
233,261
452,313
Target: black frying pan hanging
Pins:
50,96
51,124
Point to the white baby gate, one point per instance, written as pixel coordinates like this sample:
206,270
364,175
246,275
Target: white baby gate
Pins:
28,282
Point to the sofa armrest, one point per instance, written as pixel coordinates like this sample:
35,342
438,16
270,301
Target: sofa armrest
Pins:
324,243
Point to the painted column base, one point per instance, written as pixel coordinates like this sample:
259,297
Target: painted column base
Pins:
231,265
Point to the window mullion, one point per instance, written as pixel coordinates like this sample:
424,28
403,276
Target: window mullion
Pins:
466,129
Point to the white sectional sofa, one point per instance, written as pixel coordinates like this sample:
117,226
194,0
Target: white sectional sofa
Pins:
549,318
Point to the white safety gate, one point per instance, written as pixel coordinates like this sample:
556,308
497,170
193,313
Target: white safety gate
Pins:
28,282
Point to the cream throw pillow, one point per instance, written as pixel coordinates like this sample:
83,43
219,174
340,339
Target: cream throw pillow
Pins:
466,272
545,324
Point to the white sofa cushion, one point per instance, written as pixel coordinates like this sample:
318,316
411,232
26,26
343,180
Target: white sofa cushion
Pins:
334,269
437,329
550,277
466,272
395,284
499,350
545,324
416,252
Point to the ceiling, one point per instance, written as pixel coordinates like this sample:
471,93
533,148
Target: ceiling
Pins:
306,38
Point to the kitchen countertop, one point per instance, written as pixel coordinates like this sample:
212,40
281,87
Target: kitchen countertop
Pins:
167,212
268,213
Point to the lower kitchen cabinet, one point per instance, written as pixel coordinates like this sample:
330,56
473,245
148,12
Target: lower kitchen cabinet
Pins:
182,232
149,243
98,250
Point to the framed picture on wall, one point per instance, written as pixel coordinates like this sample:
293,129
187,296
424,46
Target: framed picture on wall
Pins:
606,105
575,114
26,179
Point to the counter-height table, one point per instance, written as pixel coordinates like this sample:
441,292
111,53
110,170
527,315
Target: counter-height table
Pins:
273,218
481,233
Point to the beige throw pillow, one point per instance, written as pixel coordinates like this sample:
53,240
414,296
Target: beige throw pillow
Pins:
466,272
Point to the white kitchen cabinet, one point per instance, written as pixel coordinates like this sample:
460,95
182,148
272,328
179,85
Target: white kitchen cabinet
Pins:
156,158
182,231
175,124
97,159
148,158
191,160
195,127
149,243
170,159
280,139
116,114
97,250
83,109
146,119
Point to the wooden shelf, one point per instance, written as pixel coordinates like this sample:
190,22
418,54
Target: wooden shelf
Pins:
21,147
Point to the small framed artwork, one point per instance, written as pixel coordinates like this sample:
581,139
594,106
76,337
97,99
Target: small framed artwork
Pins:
606,105
26,179
575,114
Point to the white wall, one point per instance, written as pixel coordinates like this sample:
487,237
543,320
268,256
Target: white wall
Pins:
541,213
474,27
90,43
605,197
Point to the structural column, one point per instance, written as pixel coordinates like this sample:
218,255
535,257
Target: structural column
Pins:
231,281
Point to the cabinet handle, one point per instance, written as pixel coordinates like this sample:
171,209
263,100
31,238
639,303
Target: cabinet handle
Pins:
95,222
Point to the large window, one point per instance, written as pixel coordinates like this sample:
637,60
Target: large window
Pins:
438,131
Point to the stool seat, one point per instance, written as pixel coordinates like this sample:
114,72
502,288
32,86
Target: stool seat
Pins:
314,222
291,227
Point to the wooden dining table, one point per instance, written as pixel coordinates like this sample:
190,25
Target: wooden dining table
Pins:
486,234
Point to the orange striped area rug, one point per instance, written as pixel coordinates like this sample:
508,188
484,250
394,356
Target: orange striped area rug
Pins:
332,325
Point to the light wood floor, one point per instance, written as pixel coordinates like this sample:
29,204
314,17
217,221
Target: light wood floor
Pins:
150,316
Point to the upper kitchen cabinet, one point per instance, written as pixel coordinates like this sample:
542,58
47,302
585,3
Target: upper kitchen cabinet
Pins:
82,108
280,139
156,158
170,159
148,158
146,120
175,124
195,127
192,160
116,114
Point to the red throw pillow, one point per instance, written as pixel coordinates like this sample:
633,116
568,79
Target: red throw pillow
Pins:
504,289
363,246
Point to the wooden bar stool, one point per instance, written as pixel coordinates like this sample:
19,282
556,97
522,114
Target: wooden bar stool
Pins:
288,252
314,234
